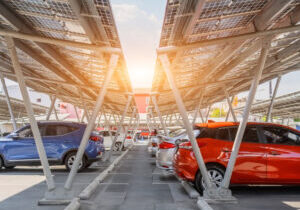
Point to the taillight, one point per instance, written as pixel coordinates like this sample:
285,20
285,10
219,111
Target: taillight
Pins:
128,137
187,146
154,144
166,145
95,138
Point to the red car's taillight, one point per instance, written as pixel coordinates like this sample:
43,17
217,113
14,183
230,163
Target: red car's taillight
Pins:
166,145
95,138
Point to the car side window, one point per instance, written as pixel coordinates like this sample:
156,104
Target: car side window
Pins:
25,133
250,135
223,134
207,133
277,135
58,130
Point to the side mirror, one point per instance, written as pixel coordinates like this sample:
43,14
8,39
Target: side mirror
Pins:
14,136
179,141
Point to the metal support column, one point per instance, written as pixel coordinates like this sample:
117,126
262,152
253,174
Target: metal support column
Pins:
90,126
243,123
12,117
269,114
120,126
166,66
207,115
76,112
55,113
153,98
197,108
228,112
128,127
230,105
53,99
34,126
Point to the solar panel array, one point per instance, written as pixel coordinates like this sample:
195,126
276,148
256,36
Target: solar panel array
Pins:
224,65
64,70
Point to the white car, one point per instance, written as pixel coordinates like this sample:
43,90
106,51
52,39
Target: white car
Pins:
153,145
108,140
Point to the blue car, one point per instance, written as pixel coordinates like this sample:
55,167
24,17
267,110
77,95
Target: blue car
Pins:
61,141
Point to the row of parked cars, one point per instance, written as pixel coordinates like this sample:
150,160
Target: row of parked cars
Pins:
61,141
269,154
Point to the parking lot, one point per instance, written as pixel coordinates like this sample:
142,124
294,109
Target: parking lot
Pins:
161,104
135,183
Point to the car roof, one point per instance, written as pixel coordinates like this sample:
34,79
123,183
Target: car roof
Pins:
227,124
60,122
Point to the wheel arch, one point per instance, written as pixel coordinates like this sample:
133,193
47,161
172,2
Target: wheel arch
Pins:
69,151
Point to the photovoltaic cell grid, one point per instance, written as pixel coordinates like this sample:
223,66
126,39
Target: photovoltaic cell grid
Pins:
56,19
197,68
284,106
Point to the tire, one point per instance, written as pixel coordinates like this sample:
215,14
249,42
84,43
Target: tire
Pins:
9,167
69,160
117,146
88,165
1,162
215,171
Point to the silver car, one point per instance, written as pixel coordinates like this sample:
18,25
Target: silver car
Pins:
167,148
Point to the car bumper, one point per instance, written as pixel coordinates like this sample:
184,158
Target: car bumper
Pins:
164,158
152,150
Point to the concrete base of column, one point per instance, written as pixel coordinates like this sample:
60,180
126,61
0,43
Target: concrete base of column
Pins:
219,195
58,196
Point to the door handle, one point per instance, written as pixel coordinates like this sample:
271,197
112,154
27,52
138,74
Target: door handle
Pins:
226,150
274,153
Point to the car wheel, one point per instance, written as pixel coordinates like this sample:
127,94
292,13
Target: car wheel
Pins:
117,146
9,167
88,165
216,174
70,159
1,163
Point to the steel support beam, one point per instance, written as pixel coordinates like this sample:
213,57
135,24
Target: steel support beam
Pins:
260,34
269,114
53,100
128,127
120,126
112,65
243,123
166,66
207,115
34,126
59,42
230,105
228,112
12,117
153,98
76,112
197,108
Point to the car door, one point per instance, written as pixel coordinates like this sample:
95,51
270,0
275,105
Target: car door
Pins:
22,148
251,163
283,155
57,139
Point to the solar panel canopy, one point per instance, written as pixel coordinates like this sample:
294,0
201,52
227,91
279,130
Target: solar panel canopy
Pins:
74,74
215,45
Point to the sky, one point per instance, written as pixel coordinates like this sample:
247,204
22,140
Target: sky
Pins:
139,25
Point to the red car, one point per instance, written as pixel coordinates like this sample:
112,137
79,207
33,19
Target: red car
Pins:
269,154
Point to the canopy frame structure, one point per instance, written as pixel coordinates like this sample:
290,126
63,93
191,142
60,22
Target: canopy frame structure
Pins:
201,47
59,54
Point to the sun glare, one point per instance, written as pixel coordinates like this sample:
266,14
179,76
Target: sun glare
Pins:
141,77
